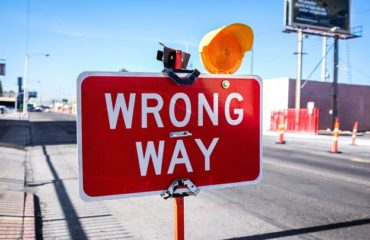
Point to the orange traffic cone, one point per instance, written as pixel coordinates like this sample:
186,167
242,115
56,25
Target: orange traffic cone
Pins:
354,133
334,147
281,128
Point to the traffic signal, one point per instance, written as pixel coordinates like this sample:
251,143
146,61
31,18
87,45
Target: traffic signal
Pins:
32,94
222,50
2,69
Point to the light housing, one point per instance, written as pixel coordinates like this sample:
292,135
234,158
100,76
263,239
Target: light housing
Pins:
222,50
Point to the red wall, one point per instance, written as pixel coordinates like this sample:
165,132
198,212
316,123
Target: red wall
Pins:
353,103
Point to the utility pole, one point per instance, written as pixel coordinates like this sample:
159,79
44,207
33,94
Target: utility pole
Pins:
25,80
323,66
335,82
298,79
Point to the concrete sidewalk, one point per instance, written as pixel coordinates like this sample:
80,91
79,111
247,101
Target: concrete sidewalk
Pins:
17,219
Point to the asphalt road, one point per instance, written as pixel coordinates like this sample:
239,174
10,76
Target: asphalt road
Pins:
306,193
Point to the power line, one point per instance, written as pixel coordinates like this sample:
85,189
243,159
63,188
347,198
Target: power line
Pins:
363,11
318,64
354,68
267,32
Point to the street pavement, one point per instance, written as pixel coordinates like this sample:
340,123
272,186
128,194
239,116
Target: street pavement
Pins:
16,203
306,192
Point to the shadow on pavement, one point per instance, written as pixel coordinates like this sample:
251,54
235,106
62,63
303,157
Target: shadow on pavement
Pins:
14,133
53,133
18,134
293,232
94,223
73,223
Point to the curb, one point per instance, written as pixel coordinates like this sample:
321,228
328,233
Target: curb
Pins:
10,145
29,217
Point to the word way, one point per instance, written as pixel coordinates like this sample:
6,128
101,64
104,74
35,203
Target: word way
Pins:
179,156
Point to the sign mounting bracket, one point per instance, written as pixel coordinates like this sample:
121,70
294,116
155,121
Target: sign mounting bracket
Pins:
180,188
187,80
176,61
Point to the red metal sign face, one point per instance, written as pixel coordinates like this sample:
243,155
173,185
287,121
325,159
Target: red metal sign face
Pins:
137,133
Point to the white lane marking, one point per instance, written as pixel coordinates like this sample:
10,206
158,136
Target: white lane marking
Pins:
361,160
317,172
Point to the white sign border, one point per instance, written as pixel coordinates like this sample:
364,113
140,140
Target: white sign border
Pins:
85,75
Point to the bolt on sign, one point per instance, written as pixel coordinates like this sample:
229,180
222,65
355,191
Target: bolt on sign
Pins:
138,132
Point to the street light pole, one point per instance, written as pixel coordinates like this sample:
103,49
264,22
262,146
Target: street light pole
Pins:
252,60
25,86
25,80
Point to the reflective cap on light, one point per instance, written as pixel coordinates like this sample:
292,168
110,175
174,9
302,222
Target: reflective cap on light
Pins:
222,50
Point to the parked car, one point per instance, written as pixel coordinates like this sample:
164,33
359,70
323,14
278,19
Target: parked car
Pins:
3,109
38,109
46,108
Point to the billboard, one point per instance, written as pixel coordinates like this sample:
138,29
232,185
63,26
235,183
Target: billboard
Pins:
318,14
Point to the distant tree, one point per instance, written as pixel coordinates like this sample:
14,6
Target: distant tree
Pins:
123,70
10,93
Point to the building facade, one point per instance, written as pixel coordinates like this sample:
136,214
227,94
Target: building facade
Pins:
353,101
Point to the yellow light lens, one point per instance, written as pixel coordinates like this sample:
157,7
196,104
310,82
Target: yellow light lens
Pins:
222,50
223,55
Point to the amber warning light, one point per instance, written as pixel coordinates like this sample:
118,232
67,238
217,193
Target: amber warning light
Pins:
222,50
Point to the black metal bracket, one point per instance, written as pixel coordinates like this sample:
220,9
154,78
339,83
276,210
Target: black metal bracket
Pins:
180,188
174,62
188,79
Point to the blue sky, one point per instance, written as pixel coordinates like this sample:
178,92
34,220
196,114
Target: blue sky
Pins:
92,35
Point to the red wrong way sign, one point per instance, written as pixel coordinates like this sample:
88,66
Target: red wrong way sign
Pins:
138,132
